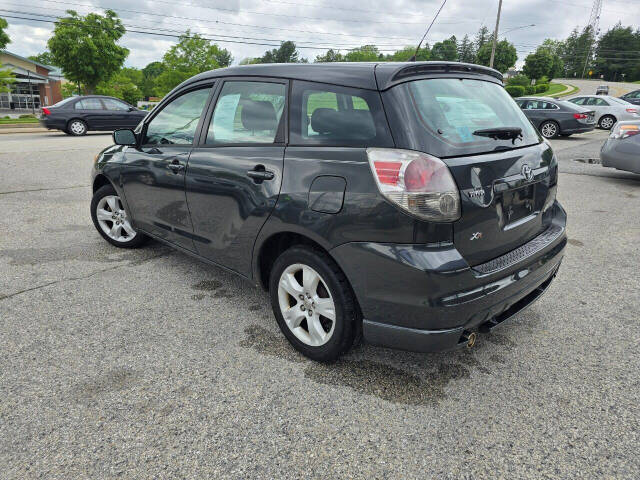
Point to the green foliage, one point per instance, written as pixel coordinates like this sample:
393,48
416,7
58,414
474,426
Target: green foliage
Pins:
149,75
467,50
285,53
331,55
538,64
574,51
482,37
69,90
122,85
6,78
406,53
86,47
613,57
515,90
520,79
366,53
505,56
45,58
445,50
542,87
4,37
190,56
530,89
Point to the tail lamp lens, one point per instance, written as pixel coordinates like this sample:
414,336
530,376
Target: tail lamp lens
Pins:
579,116
416,182
625,131
632,110
46,111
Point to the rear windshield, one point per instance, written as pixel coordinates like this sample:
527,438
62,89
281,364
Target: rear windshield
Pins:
442,114
63,102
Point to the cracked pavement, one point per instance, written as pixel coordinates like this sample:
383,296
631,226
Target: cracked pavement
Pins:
149,364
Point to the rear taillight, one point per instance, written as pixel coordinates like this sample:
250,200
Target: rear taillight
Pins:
580,116
632,110
418,183
625,131
46,111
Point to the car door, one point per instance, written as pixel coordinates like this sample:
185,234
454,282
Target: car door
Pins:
600,106
534,112
118,114
91,110
153,174
632,97
234,174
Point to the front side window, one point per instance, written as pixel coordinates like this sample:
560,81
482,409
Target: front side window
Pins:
337,116
578,101
177,122
597,102
112,104
89,104
247,112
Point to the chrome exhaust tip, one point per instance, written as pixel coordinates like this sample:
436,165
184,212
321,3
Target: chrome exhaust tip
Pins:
469,338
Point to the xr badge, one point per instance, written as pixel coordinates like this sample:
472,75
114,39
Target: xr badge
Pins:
476,236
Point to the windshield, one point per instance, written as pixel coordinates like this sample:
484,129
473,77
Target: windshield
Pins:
444,113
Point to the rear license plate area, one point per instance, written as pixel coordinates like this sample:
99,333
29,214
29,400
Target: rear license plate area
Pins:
516,204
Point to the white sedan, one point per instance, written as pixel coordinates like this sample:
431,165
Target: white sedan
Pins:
609,110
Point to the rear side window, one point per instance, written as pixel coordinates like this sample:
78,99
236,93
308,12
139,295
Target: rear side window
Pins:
112,104
89,104
540,105
337,116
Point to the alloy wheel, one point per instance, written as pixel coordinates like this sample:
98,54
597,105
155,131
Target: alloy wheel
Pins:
606,123
306,304
549,130
77,127
113,219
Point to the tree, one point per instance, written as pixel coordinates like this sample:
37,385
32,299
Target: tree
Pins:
445,50
121,85
575,51
466,50
86,47
538,64
285,53
45,58
505,56
330,56
365,53
612,55
407,52
483,36
149,75
4,37
190,56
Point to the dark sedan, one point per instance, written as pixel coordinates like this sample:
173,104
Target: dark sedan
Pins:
622,148
78,115
632,97
556,117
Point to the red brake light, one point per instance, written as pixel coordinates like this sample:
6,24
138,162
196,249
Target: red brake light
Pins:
632,110
580,116
388,172
46,111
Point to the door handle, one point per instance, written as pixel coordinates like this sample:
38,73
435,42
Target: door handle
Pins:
175,166
260,174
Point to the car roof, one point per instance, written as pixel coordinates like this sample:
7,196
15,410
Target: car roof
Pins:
546,99
366,75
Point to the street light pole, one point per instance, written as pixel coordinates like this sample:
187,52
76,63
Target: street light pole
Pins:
495,35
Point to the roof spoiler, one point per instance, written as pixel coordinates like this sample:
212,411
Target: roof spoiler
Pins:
439,68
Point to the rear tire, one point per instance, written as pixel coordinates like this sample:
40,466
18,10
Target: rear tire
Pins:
304,279
112,221
607,122
549,129
77,127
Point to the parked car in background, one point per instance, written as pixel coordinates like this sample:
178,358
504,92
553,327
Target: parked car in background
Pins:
632,97
555,117
602,90
622,148
78,115
609,110
366,198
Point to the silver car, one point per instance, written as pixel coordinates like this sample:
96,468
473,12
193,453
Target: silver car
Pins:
609,110
622,148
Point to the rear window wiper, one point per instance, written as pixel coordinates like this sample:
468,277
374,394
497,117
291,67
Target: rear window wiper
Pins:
501,133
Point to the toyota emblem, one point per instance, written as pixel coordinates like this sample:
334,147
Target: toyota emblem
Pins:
527,172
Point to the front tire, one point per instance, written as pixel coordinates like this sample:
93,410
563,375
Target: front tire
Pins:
313,303
549,129
607,122
112,221
77,127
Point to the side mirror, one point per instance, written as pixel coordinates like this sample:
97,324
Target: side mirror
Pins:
125,136
132,109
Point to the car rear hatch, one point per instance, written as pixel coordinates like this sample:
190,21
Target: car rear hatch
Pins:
506,180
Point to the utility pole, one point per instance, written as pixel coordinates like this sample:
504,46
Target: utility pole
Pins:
594,23
495,35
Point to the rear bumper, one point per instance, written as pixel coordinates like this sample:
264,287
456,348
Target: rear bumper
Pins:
616,154
424,299
580,129
51,123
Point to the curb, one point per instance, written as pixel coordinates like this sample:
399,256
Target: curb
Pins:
21,129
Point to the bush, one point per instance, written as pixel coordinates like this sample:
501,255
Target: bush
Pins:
27,116
542,87
543,79
515,90
521,80
530,89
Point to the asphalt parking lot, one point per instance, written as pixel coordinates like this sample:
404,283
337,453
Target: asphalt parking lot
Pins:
149,364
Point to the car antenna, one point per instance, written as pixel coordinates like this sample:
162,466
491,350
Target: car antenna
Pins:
413,58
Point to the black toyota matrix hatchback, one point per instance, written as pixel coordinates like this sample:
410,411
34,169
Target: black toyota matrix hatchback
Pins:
410,203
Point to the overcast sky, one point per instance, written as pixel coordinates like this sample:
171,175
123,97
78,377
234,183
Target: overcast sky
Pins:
313,23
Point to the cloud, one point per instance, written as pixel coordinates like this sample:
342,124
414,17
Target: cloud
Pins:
313,23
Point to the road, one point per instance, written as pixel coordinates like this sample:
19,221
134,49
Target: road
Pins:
588,87
149,364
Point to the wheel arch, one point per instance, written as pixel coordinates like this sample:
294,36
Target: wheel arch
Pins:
100,181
